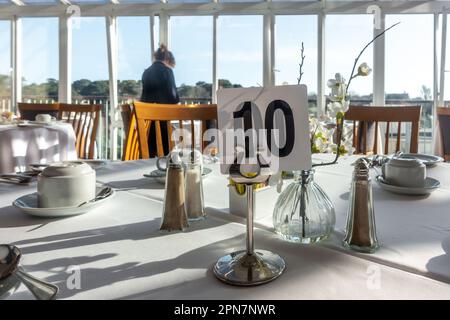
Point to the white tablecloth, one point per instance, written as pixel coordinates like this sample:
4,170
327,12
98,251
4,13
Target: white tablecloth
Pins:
118,251
20,146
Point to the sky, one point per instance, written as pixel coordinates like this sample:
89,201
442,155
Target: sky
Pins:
409,49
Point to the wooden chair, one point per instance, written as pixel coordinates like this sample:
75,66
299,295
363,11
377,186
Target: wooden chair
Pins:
146,113
29,111
443,115
85,120
364,115
131,149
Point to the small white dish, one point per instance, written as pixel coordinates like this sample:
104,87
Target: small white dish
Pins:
160,176
431,185
427,159
28,205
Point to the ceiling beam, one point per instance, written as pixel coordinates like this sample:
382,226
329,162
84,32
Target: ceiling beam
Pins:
230,8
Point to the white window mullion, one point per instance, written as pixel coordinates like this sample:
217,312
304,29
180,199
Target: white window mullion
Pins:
379,64
267,50
65,59
164,29
215,81
443,61
16,61
152,34
111,32
321,64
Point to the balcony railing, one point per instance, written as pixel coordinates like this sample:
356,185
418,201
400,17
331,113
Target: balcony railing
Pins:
111,135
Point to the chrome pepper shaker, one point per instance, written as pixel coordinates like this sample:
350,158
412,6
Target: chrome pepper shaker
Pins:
361,232
193,168
174,213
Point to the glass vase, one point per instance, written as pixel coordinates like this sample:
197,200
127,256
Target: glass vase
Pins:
303,212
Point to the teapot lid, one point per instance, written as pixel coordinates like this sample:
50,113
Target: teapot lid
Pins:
70,168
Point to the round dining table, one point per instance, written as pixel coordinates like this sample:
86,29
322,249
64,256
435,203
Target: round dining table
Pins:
23,144
117,251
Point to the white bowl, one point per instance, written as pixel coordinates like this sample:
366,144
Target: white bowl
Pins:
65,185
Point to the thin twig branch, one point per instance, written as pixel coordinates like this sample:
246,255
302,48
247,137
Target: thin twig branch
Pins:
360,54
302,61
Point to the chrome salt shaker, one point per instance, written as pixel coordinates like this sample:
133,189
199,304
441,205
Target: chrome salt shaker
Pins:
174,213
361,231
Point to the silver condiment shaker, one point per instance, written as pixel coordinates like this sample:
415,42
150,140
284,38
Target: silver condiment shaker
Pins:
174,213
361,232
193,168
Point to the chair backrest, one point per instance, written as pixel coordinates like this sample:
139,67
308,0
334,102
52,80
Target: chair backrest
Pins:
131,149
29,111
443,115
146,113
85,120
388,115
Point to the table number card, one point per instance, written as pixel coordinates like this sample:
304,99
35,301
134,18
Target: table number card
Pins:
272,119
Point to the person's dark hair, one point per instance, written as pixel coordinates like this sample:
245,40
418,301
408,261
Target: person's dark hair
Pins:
162,54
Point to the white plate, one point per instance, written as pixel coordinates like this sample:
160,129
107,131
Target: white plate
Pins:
430,185
160,176
94,163
427,159
28,205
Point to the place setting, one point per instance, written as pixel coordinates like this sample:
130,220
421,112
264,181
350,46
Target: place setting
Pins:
405,173
41,119
64,189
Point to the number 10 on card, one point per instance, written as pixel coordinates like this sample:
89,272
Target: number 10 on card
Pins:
271,122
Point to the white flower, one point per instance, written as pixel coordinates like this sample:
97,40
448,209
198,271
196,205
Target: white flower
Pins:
335,107
364,70
338,87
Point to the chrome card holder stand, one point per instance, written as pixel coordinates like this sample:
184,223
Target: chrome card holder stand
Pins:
249,267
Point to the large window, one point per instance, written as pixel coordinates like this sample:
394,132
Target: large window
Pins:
290,33
90,60
240,51
90,76
346,36
5,65
134,55
409,68
191,44
40,59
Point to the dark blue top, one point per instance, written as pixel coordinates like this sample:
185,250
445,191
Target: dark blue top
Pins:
158,84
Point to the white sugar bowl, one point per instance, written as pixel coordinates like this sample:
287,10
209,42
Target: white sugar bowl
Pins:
405,172
66,184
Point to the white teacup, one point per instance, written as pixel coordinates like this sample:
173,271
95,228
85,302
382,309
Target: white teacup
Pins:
43,117
176,156
66,184
405,172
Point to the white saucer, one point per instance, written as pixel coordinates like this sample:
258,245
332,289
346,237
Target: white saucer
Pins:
35,123
160,176
431,184
427,159
28,205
